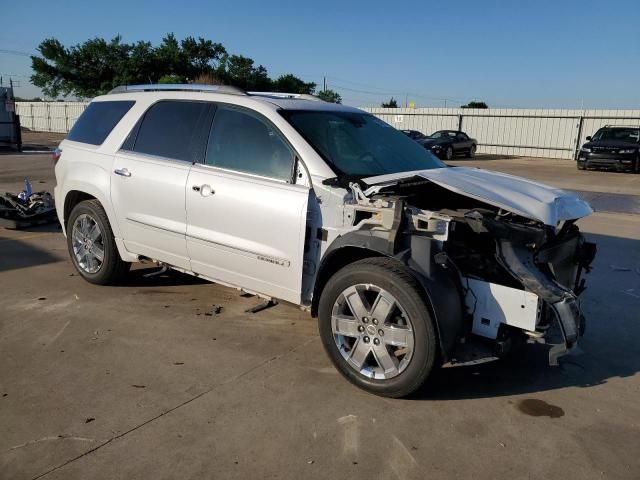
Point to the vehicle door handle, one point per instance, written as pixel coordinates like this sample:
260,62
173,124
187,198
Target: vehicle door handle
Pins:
205,190
123,172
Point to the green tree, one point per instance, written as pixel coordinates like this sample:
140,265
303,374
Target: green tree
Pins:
289,83
475,104
330,96
97,65
392,103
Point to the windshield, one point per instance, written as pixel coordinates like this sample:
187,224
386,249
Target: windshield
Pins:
359,144
442,134
619,134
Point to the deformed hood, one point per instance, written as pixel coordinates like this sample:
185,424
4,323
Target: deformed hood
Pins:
515,194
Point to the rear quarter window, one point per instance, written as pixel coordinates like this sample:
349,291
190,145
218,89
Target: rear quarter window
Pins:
97,121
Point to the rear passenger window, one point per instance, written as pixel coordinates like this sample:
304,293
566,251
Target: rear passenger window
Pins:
173,129
97,121
243,142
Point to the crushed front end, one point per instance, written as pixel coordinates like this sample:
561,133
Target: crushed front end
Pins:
518,277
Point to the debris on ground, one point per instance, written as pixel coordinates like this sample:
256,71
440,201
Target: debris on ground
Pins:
27,208
262,306
215,310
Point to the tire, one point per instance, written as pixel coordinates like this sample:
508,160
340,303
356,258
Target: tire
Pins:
84,245
409,327
636,166
581,166
448,153
472,152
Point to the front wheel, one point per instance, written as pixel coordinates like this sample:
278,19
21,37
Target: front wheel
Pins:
376,328
92,246
448,153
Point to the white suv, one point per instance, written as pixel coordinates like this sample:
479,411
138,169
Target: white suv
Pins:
402,258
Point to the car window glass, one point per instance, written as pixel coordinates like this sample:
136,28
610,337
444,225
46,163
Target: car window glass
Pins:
98,120
240,141
173,129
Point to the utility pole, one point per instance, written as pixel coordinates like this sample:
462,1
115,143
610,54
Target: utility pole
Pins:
406,100
324,84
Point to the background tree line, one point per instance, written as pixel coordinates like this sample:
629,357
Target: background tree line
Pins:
97,65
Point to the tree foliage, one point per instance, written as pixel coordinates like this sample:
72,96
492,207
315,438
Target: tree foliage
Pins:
392,103
329,95
475,104
97,65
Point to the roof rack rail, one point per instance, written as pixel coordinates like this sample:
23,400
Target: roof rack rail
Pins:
179,87
298,96
623,126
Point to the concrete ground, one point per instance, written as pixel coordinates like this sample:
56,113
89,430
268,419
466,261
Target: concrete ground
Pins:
145,381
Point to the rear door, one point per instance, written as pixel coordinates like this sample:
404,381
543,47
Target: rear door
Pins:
150,176
245,216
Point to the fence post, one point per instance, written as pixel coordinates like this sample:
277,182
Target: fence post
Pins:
66,118
33,119
580,120
48,117
460,122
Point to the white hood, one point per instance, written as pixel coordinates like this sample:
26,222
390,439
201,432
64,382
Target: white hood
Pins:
515,194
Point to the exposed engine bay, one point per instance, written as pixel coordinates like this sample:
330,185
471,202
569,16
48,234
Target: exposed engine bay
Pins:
516,276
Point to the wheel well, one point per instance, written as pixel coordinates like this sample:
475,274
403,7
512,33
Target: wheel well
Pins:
338,259
73,198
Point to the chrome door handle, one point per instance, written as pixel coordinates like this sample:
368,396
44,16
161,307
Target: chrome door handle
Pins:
123,172
205,190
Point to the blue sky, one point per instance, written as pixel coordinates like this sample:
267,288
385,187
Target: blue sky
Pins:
552,54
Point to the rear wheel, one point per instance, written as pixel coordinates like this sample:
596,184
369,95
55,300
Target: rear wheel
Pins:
91,244
376,327
472,152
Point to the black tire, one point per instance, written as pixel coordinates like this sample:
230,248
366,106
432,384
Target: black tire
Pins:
581,166
636,166
448,153
472,152
398,280
113,268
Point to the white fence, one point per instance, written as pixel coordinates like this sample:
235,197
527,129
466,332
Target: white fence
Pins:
49,116
519,132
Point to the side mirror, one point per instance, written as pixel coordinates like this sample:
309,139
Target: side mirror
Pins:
588,138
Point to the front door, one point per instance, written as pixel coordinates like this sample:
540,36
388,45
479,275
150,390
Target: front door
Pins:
245,216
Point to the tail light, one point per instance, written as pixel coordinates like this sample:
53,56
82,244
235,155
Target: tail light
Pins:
56,155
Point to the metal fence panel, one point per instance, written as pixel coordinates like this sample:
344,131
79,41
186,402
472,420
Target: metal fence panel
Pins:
549,133
519,132
49,116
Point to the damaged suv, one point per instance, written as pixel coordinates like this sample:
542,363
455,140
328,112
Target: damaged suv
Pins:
403,259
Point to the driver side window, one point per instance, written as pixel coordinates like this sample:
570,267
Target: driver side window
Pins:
242,142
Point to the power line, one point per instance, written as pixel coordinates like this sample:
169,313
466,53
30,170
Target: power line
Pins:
16,52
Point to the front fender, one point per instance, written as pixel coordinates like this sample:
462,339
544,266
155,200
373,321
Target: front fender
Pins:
441,284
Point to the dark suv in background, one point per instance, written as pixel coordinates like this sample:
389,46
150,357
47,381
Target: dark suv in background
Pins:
612,147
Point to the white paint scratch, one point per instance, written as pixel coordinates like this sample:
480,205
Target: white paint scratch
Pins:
50,439
350,435
55,337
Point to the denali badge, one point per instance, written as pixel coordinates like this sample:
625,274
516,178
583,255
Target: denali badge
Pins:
277,261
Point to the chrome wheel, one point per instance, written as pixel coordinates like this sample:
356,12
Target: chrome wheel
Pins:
372,331
87,243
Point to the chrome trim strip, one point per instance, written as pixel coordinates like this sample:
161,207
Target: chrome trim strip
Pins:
155,226
258,256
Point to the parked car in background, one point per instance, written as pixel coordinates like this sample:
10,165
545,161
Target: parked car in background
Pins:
612,147
414,134
447,144
403,259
